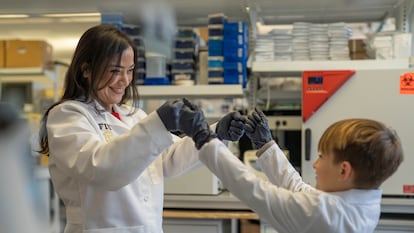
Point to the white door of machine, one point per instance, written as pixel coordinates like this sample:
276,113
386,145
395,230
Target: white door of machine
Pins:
375,94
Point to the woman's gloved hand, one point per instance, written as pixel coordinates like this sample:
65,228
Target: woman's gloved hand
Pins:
192,122
169,113
257,128
230,127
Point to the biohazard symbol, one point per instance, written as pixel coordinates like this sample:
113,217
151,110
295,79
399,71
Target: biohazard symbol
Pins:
407,83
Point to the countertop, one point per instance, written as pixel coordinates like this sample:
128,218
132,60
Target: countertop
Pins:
227,201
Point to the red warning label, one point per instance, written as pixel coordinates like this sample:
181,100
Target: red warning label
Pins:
408,188
407,83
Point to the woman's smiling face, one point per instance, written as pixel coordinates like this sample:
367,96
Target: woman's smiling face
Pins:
119,76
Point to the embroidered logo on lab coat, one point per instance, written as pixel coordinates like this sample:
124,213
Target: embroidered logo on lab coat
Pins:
106,131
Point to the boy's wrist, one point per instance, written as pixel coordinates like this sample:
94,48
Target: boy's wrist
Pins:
266,146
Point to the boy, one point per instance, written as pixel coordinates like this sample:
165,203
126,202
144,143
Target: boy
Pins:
356,156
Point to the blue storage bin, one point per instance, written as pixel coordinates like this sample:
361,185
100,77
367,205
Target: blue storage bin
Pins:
141,64
131,30
182,71
157,81
233,44
215,52
235,41
141,52
238,66
185,32
218,18
184,44
235,28
215,44
235,54
137,40
139,77
184,55
215,62
182,65
215,73
215,30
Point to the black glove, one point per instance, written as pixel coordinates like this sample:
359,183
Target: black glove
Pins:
257,129
169,113
193,123
230,127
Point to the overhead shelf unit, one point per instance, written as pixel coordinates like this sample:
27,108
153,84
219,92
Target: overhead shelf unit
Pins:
196,91
26,73
31,74
295,68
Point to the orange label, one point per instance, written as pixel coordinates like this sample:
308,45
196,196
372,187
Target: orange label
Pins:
407,83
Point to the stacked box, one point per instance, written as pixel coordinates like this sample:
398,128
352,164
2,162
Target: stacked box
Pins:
135,34
216,48
235,53
183,64
2,53
28,53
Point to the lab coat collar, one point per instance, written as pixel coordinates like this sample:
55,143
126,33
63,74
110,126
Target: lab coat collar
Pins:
112,119
361,196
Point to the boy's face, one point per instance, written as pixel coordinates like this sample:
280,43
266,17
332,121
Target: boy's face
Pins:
327,173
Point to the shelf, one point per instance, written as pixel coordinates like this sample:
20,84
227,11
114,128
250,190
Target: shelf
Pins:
26,74
298,66
22,71
196,91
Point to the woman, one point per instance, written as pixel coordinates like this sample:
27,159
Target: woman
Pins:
107,160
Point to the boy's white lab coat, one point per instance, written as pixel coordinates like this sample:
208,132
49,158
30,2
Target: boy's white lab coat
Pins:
109,173
287,203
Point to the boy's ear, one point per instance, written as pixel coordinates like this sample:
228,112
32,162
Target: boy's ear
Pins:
346,172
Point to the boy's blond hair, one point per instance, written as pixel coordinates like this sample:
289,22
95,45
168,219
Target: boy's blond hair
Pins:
373,149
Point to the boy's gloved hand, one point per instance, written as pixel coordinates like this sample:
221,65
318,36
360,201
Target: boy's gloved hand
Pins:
193,123
257,129
230,127
169,113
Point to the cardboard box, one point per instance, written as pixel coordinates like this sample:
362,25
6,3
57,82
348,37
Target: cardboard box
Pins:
2,53
249,226
358,56
28,53
356,46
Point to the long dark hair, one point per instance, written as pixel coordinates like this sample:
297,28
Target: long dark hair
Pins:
96,48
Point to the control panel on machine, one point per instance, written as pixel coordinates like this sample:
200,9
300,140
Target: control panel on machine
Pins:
318,86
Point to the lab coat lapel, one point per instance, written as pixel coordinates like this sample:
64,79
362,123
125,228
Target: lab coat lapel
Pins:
125,122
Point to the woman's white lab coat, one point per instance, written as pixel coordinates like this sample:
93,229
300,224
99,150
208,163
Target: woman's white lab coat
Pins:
109,173
286,202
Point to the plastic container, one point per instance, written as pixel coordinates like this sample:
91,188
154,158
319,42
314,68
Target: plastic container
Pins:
155,69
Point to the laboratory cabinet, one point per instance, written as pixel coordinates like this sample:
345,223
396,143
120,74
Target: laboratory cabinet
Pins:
384,226
395,226
196,225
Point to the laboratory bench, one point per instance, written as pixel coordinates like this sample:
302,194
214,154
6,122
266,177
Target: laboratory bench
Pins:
224,213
